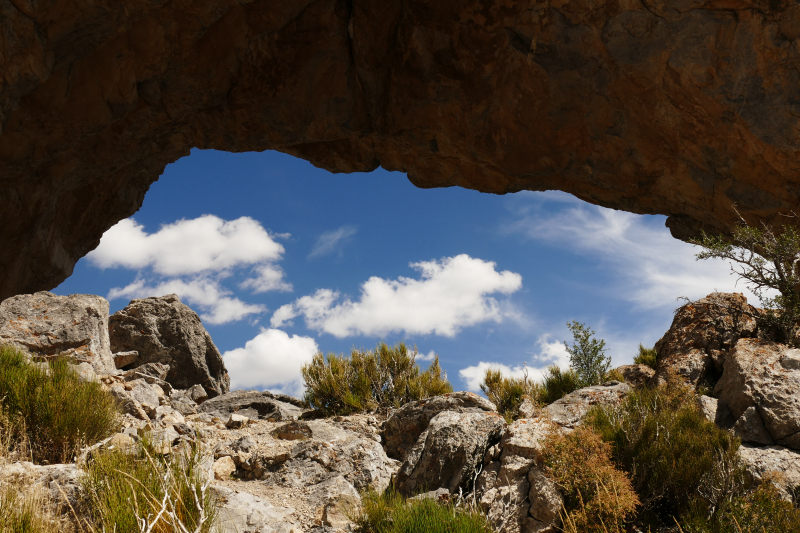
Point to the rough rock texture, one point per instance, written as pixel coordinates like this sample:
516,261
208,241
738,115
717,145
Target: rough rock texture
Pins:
759,388
448,453
636,375
46,325
242,512
406,424
253,404
568,412
676,108
163,330
768,461
701,335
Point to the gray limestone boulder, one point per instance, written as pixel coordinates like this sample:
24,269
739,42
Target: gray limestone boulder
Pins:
241,512
449,452
163,330
759,387
766,462
404,427
568,412
701,335
256,405
636,375
46,325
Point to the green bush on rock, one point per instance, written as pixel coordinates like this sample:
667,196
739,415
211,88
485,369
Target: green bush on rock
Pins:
370,379
50,408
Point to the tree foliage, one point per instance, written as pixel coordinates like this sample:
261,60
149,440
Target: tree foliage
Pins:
766,260
587,355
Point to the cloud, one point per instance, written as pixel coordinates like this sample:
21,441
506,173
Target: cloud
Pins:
651,267
216,304
450,294
268,278
187,247
271,360
330,241
429,357
550,353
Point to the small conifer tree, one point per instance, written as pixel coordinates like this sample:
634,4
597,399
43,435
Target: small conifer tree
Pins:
587,355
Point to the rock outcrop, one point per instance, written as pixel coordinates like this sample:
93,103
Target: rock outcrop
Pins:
678,109
46,325
252,404
569,411
701,335
163,330
759,388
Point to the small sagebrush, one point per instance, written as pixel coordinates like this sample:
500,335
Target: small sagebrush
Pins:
598,496
646,356
138,490
391,513
51,408
558,383
387,377
507,394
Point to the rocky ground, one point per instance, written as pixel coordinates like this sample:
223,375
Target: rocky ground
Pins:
278,469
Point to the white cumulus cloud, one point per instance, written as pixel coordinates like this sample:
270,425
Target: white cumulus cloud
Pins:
216,304
271,360
450,294
550,353
332,241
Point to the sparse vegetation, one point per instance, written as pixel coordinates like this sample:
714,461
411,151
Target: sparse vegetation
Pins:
646,356
598,496
557,384
48,412
765,260
391,513
22,510
587,355
507,394
677,460
370,379
138,490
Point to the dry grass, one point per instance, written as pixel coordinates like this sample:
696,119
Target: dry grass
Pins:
25,510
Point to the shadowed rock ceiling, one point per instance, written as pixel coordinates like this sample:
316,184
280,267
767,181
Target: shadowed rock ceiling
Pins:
682,107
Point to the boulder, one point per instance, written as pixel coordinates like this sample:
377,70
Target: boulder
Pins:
636,375
759,388
404,427
568,412
242,512
701,335
448,453
163,330
765,463
122,359
708,406
293,431
46,325
256,405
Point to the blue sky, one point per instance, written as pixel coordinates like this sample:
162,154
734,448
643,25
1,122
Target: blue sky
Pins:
282,259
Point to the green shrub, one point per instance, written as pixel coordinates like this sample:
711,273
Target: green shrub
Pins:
557,384
51,408
507,394
758,511
676,458
391,513
137,489
597,496
647,356
587,355
368,380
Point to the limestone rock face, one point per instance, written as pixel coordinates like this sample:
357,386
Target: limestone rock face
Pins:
636,375
701,335
569,411
163,330
252,404
448,453
404,427
768,461
47,325
634,107
759,387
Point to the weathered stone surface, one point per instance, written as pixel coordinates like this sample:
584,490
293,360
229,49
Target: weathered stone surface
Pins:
568,412
406,424
762,462
765,376
163,330
236,421
702,333
708,406
448,453
125,358
293,431
47,325
223,468
242,512
636,375
252,404
629,106
750,428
